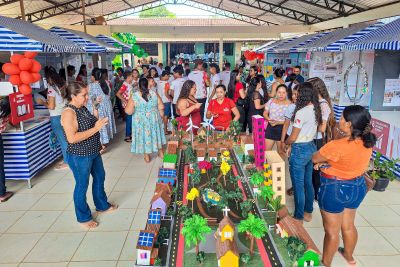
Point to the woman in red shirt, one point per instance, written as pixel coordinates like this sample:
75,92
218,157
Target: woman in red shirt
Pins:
221,109
187,106
237,92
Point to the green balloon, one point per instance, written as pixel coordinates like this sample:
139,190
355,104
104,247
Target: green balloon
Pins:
145,54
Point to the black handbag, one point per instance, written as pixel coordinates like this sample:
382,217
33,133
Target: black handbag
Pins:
244,103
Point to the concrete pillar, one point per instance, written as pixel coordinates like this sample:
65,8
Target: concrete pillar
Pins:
160,52
221,52
169,53
238,52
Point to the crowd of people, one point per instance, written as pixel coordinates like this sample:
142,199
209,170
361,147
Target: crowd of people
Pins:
299,118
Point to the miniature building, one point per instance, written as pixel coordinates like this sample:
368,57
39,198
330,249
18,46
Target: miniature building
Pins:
154,220
170,161
172,147
246,142
164,172
213,154
161,198
288,226
167,180
259,140
145,246
227,251
278,174
201,154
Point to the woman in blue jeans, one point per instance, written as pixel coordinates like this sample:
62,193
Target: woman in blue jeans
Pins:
83,152
343,163
305,121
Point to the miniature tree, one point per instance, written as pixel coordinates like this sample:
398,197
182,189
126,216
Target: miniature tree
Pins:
275,203
185,212
254,227
245,258
257,178
225,168
201,257
194,230
246,207
266,193
192,195
296,248
157,262
195,177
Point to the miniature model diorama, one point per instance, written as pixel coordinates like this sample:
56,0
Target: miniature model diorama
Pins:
218,212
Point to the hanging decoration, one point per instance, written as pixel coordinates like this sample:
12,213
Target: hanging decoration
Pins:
130,39
364,77
23,71
251,55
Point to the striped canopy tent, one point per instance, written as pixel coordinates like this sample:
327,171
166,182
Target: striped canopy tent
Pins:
385,37
259,49
89,43
335,40
19,35
293,45
112,41
271,48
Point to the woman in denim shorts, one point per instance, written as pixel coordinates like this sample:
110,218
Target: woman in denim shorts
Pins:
342,163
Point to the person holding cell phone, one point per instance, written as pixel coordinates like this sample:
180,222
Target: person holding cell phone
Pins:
188,106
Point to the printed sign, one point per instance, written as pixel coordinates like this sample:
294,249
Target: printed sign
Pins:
391,97
21,107
381,130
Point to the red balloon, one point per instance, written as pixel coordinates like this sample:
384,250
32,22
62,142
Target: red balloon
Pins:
15,80
25,64
10,69
26,77
30,55
36,76
16,58
36,67
25,89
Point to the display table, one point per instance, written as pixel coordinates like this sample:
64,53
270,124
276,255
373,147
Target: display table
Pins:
27,152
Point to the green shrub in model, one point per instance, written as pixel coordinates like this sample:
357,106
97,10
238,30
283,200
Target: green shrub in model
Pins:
194,230
254,227
383,172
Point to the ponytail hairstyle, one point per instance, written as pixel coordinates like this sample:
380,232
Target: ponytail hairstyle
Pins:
98,76
144,88
279,72
232,83
74,88
361,126
186,87
264,87
307,95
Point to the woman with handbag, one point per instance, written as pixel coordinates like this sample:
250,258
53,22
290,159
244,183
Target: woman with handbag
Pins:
237,93
343,187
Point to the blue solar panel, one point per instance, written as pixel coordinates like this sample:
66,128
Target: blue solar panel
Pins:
146,239
154,217
167,172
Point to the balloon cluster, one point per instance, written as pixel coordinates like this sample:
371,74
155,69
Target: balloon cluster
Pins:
23,70
251,55
130,39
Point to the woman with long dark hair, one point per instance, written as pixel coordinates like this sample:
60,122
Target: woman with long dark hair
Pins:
264,87
82,74
237,93
256,101
278,75
5,112
305,121
55,103
147,109
188,107
343,186
99,96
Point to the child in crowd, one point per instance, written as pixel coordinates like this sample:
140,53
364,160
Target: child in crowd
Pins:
123,94
163,90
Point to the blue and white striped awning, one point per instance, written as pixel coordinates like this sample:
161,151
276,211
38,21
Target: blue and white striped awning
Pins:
259,49
112,41
293,45
335,40
271,48
385,37
19,35
88,42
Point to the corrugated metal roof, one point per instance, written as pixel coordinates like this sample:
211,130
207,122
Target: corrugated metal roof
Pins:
178,22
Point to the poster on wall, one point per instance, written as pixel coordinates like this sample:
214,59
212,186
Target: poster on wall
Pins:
391,97
381,130
393,146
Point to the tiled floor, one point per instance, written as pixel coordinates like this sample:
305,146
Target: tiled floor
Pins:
38,227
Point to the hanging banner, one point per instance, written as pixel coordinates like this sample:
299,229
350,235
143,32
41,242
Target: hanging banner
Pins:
391,97
21,107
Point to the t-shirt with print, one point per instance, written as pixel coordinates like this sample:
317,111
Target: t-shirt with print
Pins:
59,101
225,77
176,86
224,111
161,91
305,121
288,116
125,90
325,111
276,112
198,77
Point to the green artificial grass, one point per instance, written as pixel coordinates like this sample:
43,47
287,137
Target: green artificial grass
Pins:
170,158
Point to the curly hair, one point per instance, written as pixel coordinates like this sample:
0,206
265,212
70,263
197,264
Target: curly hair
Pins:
306,96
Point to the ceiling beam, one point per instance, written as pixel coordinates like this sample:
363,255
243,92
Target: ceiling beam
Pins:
126,2
281,11
59,9
339,7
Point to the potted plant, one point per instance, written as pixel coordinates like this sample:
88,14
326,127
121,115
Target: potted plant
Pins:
383,172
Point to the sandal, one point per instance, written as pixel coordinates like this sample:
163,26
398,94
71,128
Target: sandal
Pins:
168,132
6,196
350,263
290,191
147,159
128,139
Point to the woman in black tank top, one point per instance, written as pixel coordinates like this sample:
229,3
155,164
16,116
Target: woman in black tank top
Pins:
81,130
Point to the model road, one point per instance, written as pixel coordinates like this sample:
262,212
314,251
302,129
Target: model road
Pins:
268,243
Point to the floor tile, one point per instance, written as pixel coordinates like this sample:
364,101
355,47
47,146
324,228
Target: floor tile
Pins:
43,264
66,223
146,198
55,247
129,250
64,186
128,184
114,171
53,202
124,263
372,198
120,220
138,170
34,222
20,202
15,247
9,265
392,234
139,222
39,186
384,261
379,215
8,218
370,242
16,185
395,208
93,264
100,246
126,200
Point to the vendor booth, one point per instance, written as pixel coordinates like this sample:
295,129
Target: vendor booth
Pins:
32,146
125,48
